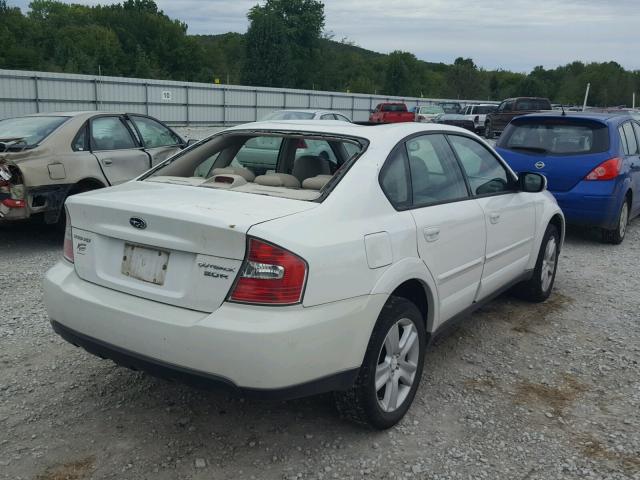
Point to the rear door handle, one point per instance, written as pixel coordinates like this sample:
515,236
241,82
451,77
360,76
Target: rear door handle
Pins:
107,161
494,218
431,234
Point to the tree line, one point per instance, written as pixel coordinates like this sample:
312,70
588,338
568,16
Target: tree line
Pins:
286,45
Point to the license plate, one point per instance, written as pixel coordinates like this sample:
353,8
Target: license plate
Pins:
146,264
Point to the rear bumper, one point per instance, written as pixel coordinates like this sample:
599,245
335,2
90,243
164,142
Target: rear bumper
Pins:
581,207
274,352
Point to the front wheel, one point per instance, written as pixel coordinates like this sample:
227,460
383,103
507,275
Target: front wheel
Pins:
616,235
392,368
488,131
538,288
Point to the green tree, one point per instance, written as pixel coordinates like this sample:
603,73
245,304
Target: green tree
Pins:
400,76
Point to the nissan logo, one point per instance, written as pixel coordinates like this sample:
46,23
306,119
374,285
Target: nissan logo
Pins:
540,165
137,222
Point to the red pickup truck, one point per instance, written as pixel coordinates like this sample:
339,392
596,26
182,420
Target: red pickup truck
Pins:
391,113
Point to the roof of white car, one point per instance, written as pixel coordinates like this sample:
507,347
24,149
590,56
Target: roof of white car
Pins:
391,132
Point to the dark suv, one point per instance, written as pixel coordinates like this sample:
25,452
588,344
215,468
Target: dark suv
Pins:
496,122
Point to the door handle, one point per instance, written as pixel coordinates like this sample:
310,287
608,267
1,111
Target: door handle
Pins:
107,161
494,218
431,234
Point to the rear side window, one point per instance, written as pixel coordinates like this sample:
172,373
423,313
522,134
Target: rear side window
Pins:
435,174
109,133
394,107
533,104
394,179
632,143
555,136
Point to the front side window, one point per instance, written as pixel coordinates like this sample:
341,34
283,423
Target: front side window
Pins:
623,140
485,173
394,179
154,134
435,174
109,133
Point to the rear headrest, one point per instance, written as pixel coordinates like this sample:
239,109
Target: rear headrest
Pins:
278,180
317,182
243,172
308,166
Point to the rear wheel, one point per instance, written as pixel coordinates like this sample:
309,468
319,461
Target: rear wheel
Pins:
392,368
616,235
538,288
78,188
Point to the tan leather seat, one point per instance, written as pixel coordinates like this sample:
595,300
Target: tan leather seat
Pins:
241,171
317,182
278,180
308,166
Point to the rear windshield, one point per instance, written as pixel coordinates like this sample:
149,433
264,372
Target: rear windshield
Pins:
296,165
433,110
289,115
533,104
555,136
24,132
394,107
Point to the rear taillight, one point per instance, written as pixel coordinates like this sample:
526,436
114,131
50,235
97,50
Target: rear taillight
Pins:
607,170
270,275
68,239
13,203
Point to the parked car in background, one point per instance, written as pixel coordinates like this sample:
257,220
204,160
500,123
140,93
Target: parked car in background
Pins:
451,107
309,278
46,157
306,114
510,108
391,113
471,118
426,113
591,160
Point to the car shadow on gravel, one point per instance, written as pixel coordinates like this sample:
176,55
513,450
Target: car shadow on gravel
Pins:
29,235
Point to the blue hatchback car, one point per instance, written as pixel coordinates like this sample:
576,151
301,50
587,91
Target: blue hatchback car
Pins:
591,161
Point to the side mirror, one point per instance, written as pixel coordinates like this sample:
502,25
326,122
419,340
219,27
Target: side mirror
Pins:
192,141
532,182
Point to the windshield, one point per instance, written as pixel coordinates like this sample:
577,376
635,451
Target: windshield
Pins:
289,115
28,131
556,136
431,110
296,165
484,109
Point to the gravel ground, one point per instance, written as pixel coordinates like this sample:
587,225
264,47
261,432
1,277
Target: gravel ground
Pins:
519,391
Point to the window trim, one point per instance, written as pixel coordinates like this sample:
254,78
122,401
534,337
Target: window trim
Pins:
87,141
635,138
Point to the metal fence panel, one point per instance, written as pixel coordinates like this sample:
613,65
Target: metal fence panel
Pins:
177,103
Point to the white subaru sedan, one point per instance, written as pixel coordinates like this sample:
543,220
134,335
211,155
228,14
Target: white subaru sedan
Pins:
321,273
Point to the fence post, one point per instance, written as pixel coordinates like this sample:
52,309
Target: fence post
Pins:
186,92
308,99
35,82
146,98
224,106
256,105
95,93
331,107
353,107
285,100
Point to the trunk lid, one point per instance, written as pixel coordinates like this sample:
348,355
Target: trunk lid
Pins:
174,244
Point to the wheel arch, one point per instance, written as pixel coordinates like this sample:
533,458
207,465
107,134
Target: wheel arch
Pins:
411,279
88,183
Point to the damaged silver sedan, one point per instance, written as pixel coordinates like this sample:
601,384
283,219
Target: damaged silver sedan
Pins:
46,157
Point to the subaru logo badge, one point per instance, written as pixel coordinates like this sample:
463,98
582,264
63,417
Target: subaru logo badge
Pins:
540,165
137,222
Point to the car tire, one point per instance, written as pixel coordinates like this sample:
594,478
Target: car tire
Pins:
539,286
387,357
61,224
488,131
616,235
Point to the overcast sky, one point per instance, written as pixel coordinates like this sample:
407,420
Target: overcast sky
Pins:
509,34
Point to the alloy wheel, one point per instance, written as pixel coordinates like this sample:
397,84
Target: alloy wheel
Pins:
624,219
549,263
397,365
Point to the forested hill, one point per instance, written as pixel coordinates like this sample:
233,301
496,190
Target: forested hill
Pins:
285,46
